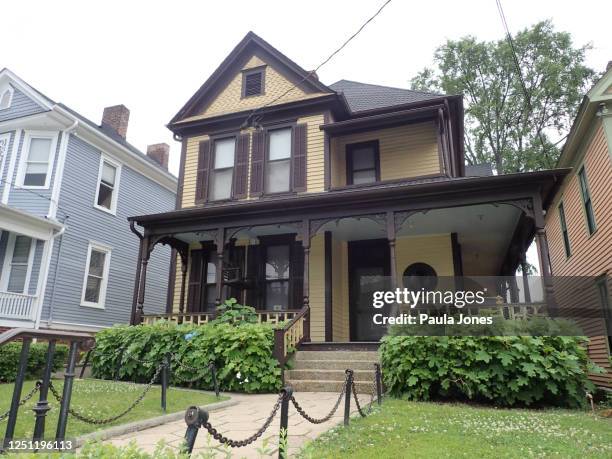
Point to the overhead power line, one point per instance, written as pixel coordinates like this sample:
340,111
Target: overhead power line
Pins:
312,72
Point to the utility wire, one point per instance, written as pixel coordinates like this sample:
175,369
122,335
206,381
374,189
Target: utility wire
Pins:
312,72
518,68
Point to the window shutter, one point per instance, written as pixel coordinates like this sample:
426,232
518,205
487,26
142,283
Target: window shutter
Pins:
255,289
194,289
242,166
298,157
257,163
203,167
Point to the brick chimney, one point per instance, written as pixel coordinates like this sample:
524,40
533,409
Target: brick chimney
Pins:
116,118
160,153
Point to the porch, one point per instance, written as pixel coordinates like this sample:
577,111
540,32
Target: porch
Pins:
348,243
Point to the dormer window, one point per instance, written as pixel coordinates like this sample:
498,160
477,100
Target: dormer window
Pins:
253,82
6,97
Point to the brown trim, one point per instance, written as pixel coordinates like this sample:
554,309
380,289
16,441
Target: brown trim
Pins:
252,71
457,255
389,182
350,148
171,282
181,179
329,332
326,153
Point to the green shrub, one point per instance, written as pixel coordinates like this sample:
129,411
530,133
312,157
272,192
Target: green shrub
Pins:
234,313
242,354
9,360
504,370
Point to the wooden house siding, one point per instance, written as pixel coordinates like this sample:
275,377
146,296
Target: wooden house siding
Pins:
340,291
591,255
315,168
435,250
21,105
191,170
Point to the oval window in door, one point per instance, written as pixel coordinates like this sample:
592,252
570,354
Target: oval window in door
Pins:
419,276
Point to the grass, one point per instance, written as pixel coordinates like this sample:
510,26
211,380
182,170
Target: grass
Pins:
425,430
99,399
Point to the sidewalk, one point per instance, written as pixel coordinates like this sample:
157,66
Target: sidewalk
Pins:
240,421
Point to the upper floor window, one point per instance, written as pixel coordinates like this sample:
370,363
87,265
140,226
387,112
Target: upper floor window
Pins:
586,200
18,264
362,163
6,97
96,276
566,241
278,161
108,185
253,82
222,173
38,153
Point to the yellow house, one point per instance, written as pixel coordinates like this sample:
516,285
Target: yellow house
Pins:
300,199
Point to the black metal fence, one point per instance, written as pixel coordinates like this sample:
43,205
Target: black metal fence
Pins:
197,418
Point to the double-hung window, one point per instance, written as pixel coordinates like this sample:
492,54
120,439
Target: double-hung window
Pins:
96,276
38,160
108,185
566,241
586,200
277,271
362,163
278,161
221,177
18,264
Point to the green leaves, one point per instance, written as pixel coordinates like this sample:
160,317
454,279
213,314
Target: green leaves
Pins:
503,370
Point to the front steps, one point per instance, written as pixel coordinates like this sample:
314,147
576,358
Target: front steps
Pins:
324,370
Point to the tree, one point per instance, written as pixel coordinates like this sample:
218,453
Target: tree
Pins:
504,126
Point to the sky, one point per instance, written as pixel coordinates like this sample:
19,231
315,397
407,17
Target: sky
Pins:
152,56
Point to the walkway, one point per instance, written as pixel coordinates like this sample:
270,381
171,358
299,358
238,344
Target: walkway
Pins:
240,421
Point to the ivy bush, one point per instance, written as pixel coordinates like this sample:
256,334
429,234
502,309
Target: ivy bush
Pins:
9,360
503,370
242,354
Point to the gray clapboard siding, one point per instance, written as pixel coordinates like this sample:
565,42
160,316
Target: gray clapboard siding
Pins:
21,105
4,164
40,245
137,195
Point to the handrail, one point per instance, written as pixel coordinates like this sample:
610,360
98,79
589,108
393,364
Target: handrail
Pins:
285,337
24,295
86,340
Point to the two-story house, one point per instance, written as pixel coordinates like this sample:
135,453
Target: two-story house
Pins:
67,186
300,199
579,222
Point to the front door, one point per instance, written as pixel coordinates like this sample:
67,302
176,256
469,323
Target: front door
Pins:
369,268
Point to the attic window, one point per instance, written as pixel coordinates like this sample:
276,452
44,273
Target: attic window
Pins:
253,83
6,97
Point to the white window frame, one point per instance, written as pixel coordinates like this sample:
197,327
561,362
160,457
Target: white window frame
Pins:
11,92
8,259
105,271
117,166
25,153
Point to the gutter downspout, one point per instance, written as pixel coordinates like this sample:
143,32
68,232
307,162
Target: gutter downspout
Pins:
55,271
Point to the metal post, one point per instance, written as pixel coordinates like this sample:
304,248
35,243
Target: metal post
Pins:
164,381
42,406
118,364
347,396
84,366
284,423
213,370
21,373
194,418
67,393
378,383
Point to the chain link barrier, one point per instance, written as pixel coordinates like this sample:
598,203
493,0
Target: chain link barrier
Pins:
24,400
329,415
362,413
247,441
88,420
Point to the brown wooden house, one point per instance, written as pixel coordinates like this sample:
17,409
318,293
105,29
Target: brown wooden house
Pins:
579,222
295,197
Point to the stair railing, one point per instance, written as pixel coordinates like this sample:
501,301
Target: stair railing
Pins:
287,337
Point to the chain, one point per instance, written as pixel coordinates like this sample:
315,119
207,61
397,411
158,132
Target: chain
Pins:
312,420
89,420
247,441
142,362
361,411
24,400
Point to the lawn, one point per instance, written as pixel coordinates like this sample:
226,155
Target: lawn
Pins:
424,430
99,399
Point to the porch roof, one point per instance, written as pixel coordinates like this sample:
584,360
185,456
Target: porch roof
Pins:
19,221
432,192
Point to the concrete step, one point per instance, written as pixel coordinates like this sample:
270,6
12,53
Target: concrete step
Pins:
309,385
329,375
334,364
369,356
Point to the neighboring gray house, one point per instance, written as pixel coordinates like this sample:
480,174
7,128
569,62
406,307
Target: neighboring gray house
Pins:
67,186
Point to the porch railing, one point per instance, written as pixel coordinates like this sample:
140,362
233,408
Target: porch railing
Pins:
16,305
201,318
291,334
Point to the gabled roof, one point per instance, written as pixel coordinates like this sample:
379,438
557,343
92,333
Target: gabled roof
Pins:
235,60
363,96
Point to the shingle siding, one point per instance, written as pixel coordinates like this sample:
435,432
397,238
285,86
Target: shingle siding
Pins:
137,195
21,105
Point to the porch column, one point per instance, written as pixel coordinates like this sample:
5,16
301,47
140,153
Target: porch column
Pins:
145,255
542,244
133,317
526,291
184,262
220,242
306,275
391,239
